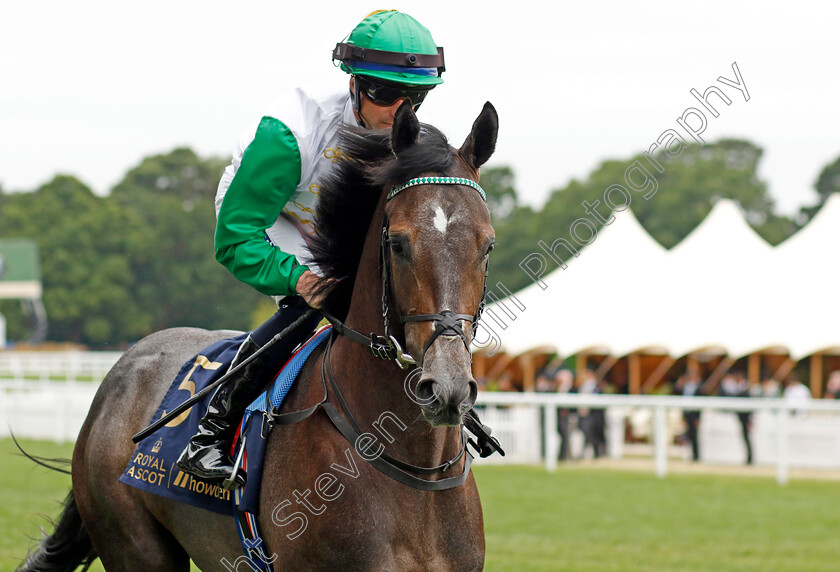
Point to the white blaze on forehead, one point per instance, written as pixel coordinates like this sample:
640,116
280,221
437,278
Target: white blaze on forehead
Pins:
440,221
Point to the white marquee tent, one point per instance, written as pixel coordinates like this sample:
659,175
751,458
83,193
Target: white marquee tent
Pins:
722,287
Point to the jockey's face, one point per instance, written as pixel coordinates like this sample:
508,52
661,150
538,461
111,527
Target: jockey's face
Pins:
378,115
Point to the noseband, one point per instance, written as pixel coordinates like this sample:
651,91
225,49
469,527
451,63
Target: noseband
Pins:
446,322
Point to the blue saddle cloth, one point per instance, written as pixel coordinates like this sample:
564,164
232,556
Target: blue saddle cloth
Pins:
152,466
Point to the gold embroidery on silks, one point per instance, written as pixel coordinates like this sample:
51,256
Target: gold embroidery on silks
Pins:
334,154
294,215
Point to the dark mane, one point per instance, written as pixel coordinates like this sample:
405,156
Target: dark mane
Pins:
350,193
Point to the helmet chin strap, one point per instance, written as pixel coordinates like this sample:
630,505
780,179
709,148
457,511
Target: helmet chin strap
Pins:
355,98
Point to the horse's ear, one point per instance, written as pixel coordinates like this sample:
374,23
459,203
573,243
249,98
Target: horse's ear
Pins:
406,129
481,142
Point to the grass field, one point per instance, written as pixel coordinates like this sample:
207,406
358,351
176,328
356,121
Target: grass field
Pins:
581,518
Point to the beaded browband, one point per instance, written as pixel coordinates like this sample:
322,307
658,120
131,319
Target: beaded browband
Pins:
437,181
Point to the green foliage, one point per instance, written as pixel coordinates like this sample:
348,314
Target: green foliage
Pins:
178,280
691,184
516,238
828,182
497,183
117,268
682,195
16,320
85,243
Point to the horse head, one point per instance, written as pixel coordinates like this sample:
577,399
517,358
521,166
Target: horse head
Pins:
402,237
436,242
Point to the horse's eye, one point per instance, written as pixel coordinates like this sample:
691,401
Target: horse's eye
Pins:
396,245
490,248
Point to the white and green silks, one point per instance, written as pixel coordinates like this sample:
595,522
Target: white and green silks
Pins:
266,197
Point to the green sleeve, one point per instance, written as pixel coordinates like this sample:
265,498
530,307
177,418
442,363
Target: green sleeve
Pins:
268,174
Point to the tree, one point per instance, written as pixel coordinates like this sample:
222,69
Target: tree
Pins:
678,199
516,238
693,182
828,182
684,191
117,268
85,243
178,279
497,183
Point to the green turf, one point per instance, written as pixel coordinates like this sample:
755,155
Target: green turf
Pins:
29,494
606,520
577,519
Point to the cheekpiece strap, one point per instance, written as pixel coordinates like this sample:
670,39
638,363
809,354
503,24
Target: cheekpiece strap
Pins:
437,181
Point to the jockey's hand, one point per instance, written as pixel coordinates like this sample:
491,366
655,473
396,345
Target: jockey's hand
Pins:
307,287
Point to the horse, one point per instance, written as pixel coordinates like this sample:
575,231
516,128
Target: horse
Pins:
403,241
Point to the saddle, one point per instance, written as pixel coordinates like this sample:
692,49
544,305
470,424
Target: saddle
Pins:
152,466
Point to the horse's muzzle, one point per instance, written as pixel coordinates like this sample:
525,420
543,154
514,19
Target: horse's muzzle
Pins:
446,389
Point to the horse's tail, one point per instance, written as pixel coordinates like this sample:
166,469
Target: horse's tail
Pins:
69,546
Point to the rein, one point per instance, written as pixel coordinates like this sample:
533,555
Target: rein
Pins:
386,464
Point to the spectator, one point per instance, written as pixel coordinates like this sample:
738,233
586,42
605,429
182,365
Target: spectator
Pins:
544,384
735,384
592,421
506,382
832,386
770,388
796,393
564,381
689,385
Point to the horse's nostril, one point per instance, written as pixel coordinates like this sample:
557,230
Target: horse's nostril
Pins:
467,403
426,393
460,398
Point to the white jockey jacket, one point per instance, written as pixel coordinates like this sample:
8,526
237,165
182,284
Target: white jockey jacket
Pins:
266,198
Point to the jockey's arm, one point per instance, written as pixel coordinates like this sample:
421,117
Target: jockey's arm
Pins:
267,176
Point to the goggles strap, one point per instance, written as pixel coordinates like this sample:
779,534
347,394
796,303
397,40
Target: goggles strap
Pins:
346,52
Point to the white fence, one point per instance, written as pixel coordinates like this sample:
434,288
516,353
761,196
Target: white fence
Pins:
53,410
802,435
67,365
46,395
785,434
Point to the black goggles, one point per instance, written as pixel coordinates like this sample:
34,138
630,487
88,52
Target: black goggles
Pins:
387,94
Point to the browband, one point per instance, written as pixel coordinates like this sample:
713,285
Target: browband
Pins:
437,181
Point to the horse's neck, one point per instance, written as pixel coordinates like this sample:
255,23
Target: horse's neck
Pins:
374,388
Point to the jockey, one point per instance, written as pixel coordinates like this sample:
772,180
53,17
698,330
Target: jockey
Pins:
266,198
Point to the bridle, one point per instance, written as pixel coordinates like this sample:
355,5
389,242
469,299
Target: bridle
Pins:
446,322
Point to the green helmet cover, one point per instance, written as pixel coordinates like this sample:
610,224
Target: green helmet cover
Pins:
392,31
